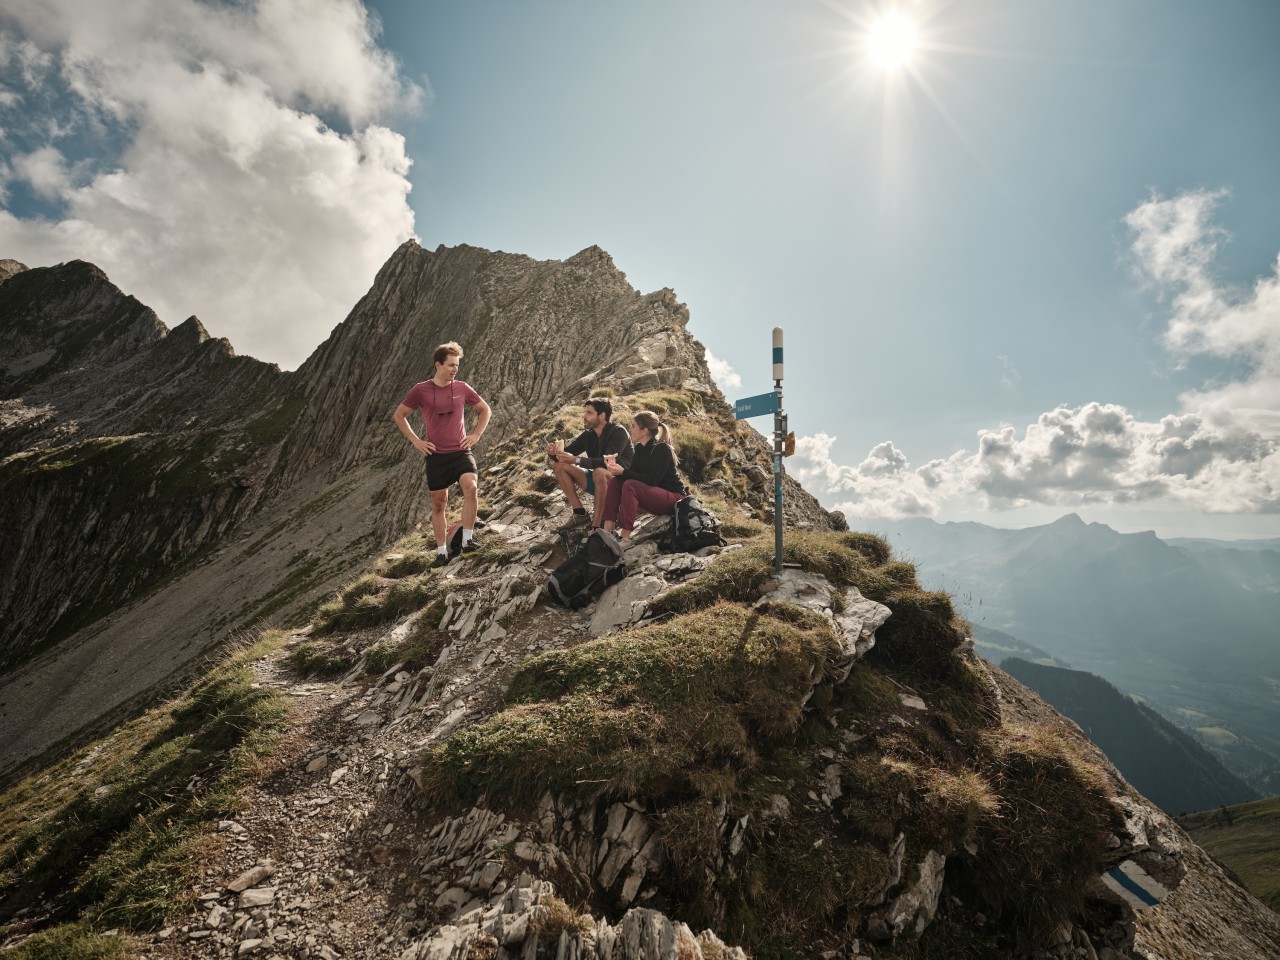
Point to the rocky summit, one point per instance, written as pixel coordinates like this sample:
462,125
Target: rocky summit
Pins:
250,719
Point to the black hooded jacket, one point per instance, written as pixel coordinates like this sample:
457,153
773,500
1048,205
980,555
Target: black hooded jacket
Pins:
654,463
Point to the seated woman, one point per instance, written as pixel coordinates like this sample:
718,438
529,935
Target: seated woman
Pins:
651,483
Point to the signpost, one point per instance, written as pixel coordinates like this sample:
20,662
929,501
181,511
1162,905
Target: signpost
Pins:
756,406
783,445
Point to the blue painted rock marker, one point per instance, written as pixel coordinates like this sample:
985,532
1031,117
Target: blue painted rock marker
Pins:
1134,886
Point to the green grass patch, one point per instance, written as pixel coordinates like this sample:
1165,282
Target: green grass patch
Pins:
410,563
70,941
535,500
738,575
317,660
371,600
544,482
555,917
272,425
674,708
736,528
698,446
492,549
110,837
665,403
1246,837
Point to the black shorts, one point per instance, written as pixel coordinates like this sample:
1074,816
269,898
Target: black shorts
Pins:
444,469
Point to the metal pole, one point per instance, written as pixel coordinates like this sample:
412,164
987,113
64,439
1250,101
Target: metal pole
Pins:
779,438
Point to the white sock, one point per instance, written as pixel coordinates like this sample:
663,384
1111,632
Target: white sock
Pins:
467,535
443,551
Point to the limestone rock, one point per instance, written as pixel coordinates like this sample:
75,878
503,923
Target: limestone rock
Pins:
251,877
913,909
624,603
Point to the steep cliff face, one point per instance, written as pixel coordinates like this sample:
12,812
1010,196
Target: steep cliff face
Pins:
533,332
127,449
148,474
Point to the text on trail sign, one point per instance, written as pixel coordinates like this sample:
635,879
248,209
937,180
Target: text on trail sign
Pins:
756,406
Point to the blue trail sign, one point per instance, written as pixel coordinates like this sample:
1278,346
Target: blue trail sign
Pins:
756,406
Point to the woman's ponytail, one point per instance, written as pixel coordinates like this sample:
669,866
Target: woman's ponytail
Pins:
657,429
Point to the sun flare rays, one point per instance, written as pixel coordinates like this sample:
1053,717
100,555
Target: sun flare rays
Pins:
892,40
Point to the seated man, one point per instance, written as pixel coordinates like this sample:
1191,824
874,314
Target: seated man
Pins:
581,465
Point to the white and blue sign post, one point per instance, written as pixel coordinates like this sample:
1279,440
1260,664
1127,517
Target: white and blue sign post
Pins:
759,406
779,439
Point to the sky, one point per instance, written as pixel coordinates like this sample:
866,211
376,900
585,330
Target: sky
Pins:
1030,270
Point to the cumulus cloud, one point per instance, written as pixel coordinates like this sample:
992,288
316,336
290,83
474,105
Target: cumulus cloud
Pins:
45,170
256,182
727,378
1220,453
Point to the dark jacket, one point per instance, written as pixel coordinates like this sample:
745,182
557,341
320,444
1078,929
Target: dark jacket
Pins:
614,438
655,464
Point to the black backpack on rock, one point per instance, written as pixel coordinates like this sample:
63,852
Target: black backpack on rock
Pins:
586,574
693,527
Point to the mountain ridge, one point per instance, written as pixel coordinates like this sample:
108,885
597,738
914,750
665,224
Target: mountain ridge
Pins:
245,491
804,763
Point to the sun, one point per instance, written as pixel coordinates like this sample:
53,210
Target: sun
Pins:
892,40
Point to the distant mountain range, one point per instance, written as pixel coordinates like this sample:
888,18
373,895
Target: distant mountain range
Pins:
1191,627
1166,765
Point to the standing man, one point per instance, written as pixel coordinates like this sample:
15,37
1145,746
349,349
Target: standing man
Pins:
446,444
581,464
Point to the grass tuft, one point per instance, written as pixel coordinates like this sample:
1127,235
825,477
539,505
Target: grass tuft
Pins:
71,941
555,917
1037,857
410,563
538,502
110,836
372,600
313,660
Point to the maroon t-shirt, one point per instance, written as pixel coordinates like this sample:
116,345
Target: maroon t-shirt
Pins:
442,412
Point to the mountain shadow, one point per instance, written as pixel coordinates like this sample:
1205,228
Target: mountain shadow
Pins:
1165,764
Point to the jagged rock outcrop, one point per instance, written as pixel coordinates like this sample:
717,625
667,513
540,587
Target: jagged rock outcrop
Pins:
126,449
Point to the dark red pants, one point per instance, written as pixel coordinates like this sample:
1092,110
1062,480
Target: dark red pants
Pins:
624,500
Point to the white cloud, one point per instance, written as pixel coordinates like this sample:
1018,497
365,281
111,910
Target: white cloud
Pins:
1175,246
1220,453
727,378
231,198
45,170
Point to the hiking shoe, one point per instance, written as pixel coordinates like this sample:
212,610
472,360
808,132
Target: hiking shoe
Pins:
575,522
440,560
472,545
